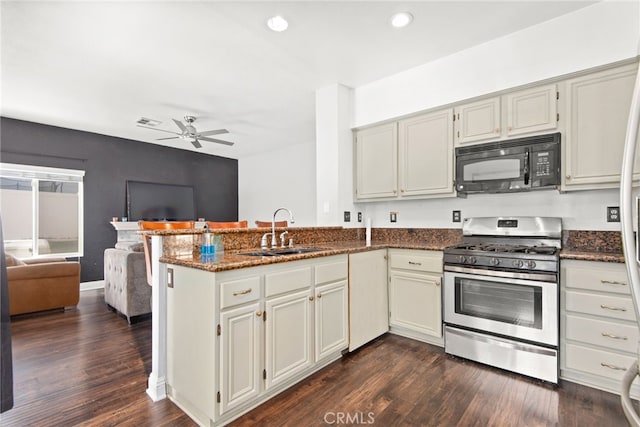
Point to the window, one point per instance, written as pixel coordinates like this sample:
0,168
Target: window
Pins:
42,211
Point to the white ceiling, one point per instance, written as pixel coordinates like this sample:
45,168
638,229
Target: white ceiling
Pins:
100,66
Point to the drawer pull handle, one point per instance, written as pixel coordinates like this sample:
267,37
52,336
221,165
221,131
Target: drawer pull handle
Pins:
414,263
612,282
615,337
614,367
608,307
246,291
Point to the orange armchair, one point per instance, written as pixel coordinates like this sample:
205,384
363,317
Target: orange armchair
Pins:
39,285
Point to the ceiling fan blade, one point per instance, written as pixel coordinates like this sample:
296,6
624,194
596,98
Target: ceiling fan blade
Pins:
161,130
178,123
169,137
196,143
212,132
219,141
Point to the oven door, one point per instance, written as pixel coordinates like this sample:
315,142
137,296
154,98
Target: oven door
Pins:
512,307
493,170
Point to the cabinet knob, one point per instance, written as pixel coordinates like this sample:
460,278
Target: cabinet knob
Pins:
568,176
509,128
438,282
258,313
310,298
497,130
319,295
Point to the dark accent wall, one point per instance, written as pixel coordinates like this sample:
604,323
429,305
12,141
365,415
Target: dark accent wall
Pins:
108,163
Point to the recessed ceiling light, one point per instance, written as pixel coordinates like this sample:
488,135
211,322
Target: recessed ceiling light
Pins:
401,19
277,23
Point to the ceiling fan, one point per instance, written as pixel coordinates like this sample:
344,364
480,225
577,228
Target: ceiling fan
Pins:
188,132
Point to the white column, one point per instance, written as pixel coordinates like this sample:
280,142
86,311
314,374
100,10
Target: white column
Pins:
334,155
157,389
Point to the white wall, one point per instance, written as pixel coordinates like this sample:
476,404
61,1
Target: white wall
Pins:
600,34
580,210
283,178
597,35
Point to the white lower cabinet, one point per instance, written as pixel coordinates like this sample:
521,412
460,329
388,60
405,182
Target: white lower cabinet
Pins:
415,299
332,302
289,336
598,329
368,297
236,338
240,368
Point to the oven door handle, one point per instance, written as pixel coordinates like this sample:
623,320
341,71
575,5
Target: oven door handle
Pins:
526,167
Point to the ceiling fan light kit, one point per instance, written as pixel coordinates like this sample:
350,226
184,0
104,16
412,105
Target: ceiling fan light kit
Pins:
188,132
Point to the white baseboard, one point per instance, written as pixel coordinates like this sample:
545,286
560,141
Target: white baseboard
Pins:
87,286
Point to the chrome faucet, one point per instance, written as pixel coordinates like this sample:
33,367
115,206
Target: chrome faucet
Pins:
274,242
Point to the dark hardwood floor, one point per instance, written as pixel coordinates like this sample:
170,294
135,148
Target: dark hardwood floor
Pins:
88,367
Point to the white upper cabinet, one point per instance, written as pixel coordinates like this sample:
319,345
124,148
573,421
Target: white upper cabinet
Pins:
376,162
426,155
525,112
415,152
478,121
532,110
598,107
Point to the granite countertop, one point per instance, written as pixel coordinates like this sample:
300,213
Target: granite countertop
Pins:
592,256
232,260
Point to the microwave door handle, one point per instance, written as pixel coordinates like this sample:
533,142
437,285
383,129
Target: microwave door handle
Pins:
526,168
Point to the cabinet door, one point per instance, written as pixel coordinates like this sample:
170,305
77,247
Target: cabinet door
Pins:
331,318
368,297
478,121
376,162
240,346
597,111
532,110
426,154
415,302
288,336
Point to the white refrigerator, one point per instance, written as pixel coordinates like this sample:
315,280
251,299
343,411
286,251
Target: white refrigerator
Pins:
629,205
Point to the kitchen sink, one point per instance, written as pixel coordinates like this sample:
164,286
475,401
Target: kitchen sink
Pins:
280,251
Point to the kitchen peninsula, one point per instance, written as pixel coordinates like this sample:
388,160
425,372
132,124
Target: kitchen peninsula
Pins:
215,375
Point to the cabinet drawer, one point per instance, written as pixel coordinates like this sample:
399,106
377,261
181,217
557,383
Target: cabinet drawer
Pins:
615,307
287,281
597,362
430,261
331,272
595,276
607,334
239,291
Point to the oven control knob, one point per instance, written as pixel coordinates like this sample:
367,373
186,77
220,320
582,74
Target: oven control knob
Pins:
494,261
531,264
518,263
462,259
473,260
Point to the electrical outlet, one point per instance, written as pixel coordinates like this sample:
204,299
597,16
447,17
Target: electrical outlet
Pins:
347,216
613,213
456,216
393,216
359,216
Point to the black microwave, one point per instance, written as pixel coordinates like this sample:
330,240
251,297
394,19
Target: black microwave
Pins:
523,164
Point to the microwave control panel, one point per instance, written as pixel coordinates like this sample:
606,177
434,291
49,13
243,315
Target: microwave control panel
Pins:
542,163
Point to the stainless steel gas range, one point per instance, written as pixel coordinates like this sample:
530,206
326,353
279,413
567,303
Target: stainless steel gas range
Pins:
501,294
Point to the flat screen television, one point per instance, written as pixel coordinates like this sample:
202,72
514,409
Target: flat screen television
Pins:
151,201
